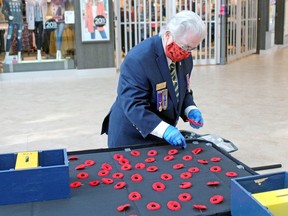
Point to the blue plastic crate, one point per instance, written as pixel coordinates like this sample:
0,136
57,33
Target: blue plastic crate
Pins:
242,201
49,181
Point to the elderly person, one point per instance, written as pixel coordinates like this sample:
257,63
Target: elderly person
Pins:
153,89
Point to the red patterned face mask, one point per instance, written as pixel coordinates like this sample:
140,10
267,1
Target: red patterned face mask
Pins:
175,53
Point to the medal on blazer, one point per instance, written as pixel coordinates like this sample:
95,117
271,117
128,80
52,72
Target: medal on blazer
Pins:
162,96
165,99
159,100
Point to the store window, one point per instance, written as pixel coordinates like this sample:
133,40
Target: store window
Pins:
34,31
272,14
286,19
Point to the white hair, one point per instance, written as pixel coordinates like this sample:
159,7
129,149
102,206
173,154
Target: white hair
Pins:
184,22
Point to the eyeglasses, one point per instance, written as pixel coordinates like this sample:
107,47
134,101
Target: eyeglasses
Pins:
186,48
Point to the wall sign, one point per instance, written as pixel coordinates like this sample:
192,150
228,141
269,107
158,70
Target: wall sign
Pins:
94,20
51,24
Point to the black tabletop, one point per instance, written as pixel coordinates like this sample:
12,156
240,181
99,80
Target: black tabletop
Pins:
164,160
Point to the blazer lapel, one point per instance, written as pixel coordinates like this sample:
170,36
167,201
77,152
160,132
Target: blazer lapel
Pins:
164,69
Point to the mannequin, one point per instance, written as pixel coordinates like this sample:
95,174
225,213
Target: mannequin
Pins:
36,17
58,9
12,10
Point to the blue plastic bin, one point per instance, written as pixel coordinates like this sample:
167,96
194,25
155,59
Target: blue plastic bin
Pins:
242,188
49,181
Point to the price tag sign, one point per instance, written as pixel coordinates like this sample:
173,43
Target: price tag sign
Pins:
100,21
69,17
51,24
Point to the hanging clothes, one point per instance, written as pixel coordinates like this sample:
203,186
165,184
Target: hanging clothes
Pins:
36,10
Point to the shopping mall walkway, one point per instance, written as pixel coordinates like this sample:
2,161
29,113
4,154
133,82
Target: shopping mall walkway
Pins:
245,102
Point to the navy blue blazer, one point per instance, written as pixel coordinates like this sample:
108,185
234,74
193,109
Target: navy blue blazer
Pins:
134,114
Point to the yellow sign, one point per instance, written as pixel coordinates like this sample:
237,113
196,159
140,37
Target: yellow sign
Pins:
26,160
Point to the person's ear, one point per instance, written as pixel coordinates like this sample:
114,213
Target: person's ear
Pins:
167,34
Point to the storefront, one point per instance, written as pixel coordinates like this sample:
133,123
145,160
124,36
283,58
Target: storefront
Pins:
67,34
45,34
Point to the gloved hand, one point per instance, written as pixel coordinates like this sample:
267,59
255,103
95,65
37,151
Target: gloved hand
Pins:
196,117
11,17
173,136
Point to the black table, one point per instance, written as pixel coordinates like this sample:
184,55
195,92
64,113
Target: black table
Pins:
103,200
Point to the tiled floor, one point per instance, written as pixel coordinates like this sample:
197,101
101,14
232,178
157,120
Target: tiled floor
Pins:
245,102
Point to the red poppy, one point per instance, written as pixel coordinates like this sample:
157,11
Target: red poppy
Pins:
168,157
75,184
178,166
194,170
184,197
140,166
106,166
215,169
213,183
187,157
73,158
118,156
185,185
185,175
166,177
103,173
200,207
202,161
89,162
150,160
158,186
216,199
123,207
107,180
134,196
120,185
174,205
126,167
197,151
118,175
94,183
82,175
135,153
153,206
231,174
136,177
172,152
215,159
152,153
80,167
152,169
123,161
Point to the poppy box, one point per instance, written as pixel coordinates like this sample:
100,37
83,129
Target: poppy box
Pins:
34,176
264,195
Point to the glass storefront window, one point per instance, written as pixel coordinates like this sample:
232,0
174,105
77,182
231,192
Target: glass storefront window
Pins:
272,14
36,31
286,19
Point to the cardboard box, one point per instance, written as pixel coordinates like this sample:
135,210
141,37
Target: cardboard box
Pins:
242,189
49,181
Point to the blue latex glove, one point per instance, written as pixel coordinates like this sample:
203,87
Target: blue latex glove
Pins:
173,136
196,117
